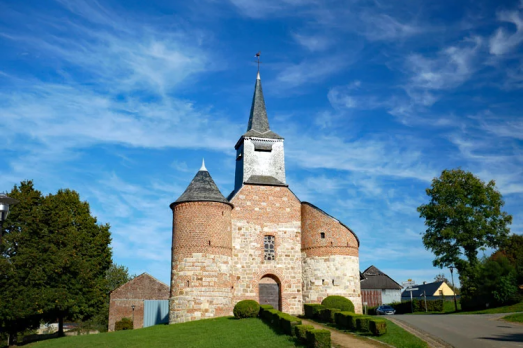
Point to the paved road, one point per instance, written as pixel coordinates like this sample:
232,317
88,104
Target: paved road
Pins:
469,331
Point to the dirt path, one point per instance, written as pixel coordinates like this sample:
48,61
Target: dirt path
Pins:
344,340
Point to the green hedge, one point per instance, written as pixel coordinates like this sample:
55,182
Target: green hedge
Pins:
263,308
378,327
342,320
353,324
312,310
300,331
246,309
338,302
362,323
318,338
287,323
124,324
327,314
418,305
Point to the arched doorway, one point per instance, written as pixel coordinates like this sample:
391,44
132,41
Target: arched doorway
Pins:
270,291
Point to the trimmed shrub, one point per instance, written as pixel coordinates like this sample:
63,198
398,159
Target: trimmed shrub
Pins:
124,324
342,320
362,323
300,331
352,317
311,309
372,310
338,302
318,338
327,314
268,314
264,307
378,327
287,323
246,309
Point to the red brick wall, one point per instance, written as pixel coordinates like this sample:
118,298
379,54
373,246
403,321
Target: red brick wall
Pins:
267,210
201,261
338,240
143,287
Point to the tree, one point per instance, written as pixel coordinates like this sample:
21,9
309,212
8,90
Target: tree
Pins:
463,216
77,259
512,249
54,260
498,283
21,271
441,278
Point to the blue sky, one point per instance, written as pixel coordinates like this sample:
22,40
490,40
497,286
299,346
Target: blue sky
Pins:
122,100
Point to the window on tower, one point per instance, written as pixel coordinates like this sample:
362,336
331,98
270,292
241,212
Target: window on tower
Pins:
269,248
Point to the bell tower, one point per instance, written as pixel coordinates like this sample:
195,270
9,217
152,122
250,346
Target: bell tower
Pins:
259,152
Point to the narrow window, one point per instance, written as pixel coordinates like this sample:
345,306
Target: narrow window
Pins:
209,242
187,283
322,234
268,242
332,243
333,282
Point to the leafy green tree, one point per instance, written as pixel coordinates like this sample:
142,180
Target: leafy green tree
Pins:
77,259
22,273
498,285
464,215
54,260
512,249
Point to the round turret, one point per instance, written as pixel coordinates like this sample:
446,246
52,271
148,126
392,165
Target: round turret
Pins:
330,257
201,252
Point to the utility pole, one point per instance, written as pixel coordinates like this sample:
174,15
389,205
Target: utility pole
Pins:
425,295
453,287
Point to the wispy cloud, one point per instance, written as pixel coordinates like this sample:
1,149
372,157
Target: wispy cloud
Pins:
503,42
314,43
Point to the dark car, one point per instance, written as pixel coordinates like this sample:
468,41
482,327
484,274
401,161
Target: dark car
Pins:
385,310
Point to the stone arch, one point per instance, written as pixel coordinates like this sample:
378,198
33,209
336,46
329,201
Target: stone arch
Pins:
270,291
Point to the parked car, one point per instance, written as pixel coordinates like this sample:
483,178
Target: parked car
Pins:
385,310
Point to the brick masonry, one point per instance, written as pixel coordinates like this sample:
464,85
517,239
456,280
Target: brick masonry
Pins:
329,257
201,284
134,292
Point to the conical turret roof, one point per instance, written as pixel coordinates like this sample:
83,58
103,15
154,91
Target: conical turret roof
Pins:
202,189
258,121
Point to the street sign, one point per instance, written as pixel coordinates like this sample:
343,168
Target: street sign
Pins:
411,289
409,283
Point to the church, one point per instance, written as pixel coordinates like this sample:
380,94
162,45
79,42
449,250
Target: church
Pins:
260,242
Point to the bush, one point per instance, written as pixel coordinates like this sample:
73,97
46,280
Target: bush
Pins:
263,308
362,323
312,310
378,327
342,320
300,331
338,302
318,338
372,310
287,323
327,314
124,324
352,320
246,309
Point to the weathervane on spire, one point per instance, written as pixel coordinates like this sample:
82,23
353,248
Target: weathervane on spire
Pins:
258,56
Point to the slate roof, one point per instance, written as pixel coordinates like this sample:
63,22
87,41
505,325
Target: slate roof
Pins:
376,279
258,121
202,189
264,180
429,288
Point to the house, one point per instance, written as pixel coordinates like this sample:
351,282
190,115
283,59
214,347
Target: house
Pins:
261,242
377,288
144,299
433,291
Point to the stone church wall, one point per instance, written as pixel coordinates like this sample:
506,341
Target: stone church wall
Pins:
201,263
259,211
330,258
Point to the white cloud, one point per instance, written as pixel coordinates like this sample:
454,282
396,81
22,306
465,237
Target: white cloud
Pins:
314,43
260,9
380,27
310,71
503,42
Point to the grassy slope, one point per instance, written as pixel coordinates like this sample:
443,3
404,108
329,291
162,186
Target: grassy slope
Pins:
398,337
518,307
516,318
215,333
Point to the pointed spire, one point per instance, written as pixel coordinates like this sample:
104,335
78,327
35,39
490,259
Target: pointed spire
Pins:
203,165
258,121
202,189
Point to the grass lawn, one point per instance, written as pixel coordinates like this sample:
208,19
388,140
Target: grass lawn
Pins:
518,307
516,318
215,333
397,337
